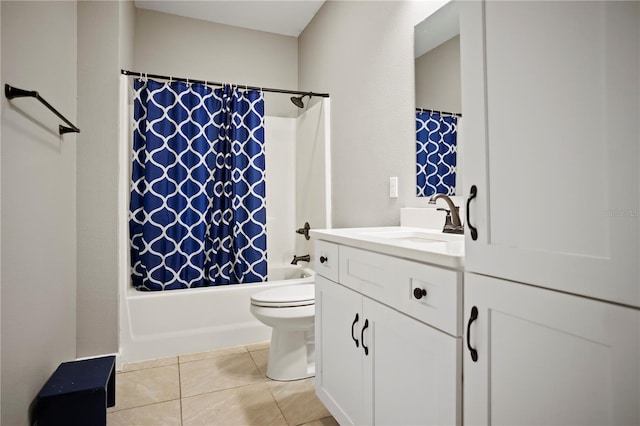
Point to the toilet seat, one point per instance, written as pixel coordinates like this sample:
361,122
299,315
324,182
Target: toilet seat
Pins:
286,296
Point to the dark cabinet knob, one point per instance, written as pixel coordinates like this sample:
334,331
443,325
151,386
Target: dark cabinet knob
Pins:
323,259
419,293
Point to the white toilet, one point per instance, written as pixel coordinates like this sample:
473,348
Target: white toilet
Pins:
290,311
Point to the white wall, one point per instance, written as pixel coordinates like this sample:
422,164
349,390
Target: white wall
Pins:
38,200
174,45
362,54
127,32
438,78
102,46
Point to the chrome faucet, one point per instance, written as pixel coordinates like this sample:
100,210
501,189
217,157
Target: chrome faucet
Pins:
296,259
452,223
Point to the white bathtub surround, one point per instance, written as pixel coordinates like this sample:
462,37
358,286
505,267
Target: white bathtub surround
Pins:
298,179
313,175
280,154
167,323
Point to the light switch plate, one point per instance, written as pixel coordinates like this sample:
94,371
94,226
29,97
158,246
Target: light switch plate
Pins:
393,187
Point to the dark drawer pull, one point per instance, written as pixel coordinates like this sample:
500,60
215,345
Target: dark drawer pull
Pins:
472,318
473,193
366,325
352,326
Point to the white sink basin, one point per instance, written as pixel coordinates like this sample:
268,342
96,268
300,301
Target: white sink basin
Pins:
415,236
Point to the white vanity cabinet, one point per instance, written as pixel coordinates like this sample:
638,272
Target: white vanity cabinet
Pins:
378,361
339,369
551,100
548,358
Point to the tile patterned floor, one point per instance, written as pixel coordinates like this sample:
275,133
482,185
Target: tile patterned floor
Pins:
223,387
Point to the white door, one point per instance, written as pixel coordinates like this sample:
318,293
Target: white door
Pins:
411,371
551,106
545,357
338,351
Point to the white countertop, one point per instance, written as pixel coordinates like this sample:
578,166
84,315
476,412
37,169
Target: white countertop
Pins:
420,244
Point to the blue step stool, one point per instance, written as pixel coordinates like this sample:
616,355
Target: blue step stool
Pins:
78,393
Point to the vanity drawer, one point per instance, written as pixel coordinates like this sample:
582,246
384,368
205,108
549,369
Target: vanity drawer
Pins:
392,281
326,260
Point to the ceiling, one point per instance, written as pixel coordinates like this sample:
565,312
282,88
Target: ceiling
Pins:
437,28
287,17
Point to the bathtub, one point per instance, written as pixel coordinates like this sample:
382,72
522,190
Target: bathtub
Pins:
176,322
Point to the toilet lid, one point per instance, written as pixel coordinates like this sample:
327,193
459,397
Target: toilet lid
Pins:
286,296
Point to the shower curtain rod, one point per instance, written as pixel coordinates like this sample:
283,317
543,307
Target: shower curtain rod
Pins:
455,114
213,83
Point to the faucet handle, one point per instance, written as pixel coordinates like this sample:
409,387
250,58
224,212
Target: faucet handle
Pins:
304,230
447,219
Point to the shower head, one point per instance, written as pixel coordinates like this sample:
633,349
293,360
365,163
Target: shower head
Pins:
297,100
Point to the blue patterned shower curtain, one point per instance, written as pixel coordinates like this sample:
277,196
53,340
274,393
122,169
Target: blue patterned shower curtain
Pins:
197,212
436,137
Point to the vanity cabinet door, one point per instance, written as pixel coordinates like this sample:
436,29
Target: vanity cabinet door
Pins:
338,323
411,374
548,358
551,100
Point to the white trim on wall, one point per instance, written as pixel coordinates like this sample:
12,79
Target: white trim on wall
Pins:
327,160
123,207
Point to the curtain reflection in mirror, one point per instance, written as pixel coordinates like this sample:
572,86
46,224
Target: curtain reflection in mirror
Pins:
436,139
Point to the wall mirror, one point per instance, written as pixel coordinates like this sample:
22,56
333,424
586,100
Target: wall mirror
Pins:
439,153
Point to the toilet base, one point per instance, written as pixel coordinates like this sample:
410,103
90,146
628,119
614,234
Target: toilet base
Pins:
291,355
